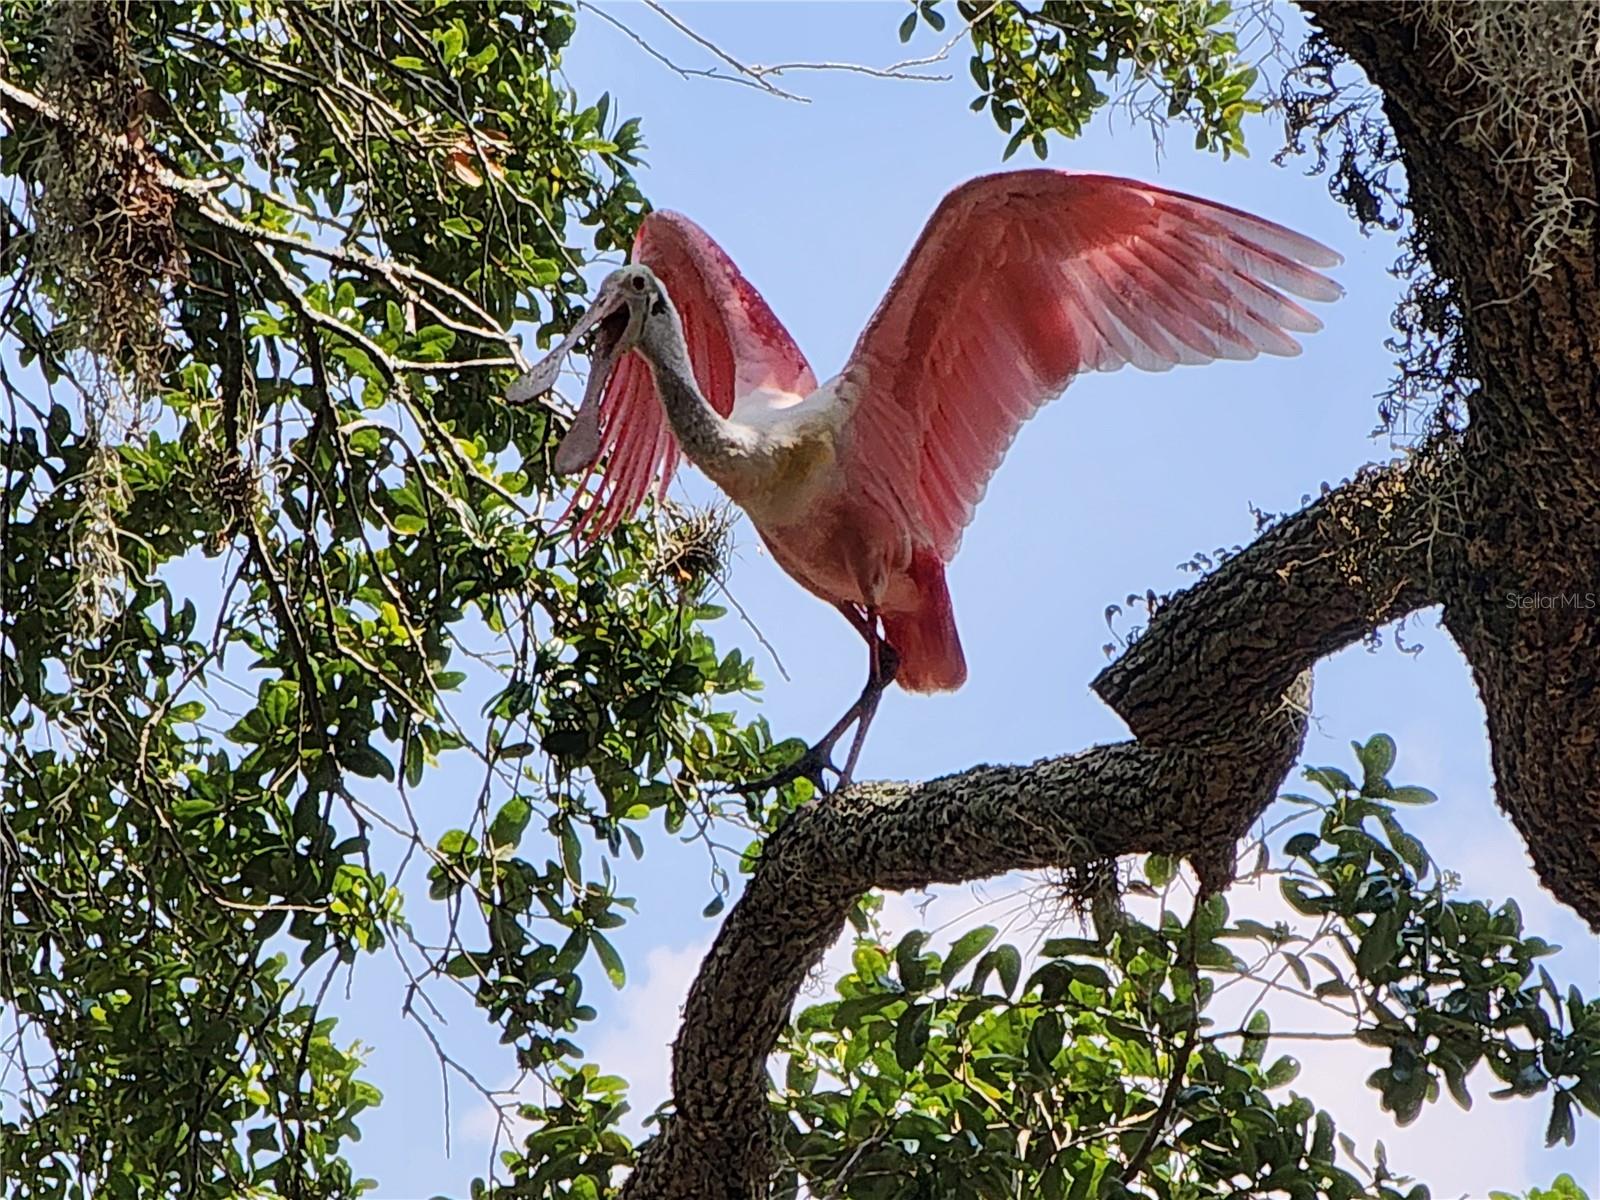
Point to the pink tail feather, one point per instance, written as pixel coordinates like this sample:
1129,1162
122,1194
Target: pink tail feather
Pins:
926,639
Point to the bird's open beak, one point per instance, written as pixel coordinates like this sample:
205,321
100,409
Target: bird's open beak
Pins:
608,318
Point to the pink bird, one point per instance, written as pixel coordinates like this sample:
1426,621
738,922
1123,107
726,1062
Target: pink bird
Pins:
861,487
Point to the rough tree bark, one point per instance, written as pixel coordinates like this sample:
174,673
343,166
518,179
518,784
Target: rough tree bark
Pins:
1216,693
1530,488
1215,690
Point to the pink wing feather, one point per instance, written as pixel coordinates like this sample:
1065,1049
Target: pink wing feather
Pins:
1022,280
735,344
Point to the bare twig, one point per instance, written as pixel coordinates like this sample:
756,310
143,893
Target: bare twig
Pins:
678,68
761,76
740,69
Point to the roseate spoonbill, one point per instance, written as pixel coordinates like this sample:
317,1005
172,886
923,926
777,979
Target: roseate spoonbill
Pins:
861,487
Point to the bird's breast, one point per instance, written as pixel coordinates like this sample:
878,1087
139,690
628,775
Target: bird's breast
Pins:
787,475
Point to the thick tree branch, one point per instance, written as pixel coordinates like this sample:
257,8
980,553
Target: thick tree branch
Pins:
1523,607
1217,691
1363,555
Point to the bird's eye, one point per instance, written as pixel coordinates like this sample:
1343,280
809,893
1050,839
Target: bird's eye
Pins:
638,283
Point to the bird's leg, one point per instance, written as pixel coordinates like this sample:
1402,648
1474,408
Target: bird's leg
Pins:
884,665
817,759
881,667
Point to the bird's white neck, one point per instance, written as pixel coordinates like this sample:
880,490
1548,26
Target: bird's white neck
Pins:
709,440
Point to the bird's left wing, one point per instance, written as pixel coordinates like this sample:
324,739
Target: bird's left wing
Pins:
735,343
1020,281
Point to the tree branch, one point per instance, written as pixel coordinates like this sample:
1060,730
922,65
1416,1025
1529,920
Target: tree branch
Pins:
1217,691
761,76
1482,144
408,282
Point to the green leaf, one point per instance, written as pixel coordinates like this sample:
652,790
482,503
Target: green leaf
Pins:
185,811
1257,1031
1045,1039
365,761
851,1013
262,1139
510,821
911,1035
279,699
966,948
1301,900
1301,845
1587,1092
908,961
1561,1127
1379,945
1008,965
1455,1076
1411,794
610,960
1332,780
1284,1071
1322,1139
571,851
799,1076
1064,947
1159,869
1377,757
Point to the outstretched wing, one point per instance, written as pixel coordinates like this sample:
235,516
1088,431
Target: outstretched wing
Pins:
735,345
1022,280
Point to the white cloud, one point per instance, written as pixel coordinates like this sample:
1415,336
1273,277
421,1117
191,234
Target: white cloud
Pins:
637,1039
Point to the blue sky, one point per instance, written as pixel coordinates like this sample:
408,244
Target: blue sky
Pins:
1104,494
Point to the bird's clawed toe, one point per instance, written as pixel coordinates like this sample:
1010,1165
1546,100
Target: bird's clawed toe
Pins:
815,764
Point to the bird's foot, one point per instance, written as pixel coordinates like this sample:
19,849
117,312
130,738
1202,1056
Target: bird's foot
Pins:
815,764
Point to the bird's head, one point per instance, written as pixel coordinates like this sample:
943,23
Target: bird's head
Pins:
629,298
626,301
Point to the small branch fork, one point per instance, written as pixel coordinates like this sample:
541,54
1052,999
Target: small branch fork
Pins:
761,77
1216,694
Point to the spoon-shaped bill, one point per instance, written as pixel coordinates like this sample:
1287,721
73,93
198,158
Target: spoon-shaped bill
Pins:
581,446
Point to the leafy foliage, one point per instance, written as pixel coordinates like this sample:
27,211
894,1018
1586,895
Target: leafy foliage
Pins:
1097,1068
254,550
1565,1187
1443,984
1049,67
